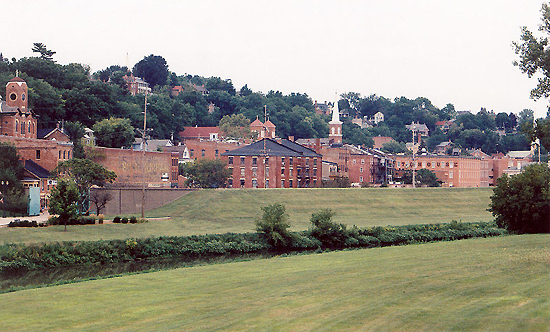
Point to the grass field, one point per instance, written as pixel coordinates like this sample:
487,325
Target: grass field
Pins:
222,211
498,284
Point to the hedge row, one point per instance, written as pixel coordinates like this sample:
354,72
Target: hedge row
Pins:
21,256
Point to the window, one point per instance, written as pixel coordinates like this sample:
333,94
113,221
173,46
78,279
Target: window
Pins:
290,183
254,172
242,171
242,183
354,161
307,161
451,164
315,162
37,154
192,153
230,161
254,183
362,161
361,170
267,183
267,171
64,154
282,161
290,161
254,161
360,179
203,152
59,154
242,161
290,172
217,152
428,164
438,164
315,172
282,171
230,183
282,183
451,174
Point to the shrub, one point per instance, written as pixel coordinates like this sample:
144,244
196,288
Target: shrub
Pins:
116,220
23,223
133,220
274,226
330,234
124,220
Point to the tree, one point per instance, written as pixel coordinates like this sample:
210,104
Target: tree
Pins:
428,178
394,147
325,230
235,125
205,173
12,194
153,69
85,174
521,203
114,133
45,54
534,55
274,226
64,200
76,132
100,198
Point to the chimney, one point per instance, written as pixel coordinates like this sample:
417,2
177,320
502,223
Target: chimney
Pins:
291,138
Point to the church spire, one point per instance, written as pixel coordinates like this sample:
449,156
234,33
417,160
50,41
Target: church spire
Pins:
335,125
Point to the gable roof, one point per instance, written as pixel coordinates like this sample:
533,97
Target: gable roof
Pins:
35,169
272,148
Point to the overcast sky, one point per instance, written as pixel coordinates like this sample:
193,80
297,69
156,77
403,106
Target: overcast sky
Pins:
455,52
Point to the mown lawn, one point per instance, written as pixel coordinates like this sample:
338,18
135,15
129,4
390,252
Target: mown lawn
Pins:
498,284
222,211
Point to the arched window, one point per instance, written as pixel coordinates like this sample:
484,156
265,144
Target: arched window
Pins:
16,126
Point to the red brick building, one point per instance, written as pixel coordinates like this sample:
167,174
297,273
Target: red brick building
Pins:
274,164
16,119
157,169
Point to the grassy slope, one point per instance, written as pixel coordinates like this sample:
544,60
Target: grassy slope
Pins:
481,284
221,211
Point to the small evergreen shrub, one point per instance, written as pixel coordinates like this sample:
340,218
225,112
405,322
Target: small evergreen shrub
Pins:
116,220
133,220
124,220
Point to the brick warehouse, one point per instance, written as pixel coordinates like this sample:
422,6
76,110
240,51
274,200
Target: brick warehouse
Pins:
274,164
158,169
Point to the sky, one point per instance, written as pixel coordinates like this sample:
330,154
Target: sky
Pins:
457,52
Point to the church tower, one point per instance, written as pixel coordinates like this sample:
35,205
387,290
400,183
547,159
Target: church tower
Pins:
16,94
335,125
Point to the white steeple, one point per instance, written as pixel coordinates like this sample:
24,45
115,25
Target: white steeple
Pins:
335,112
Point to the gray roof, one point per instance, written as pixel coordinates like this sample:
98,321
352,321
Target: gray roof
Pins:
36,170
272,148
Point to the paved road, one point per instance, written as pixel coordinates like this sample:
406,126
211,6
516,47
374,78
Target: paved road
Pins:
41,218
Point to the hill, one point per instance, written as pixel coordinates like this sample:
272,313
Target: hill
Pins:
495,284
222,211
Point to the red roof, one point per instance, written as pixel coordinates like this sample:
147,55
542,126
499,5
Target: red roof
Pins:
269,124
196,132
257,123
17,79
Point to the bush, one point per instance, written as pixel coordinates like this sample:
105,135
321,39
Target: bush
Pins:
274,226
330,234
25,223
116,220
133,220
521,203
124,220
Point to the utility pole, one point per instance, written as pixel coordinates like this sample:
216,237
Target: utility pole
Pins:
265,150
143,148
413,129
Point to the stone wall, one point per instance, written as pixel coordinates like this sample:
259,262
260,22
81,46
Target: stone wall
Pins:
129,200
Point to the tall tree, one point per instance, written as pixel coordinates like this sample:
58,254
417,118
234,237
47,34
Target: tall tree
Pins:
85,174
11,173
235,125
205,173
534,54
64,201
153,69
114,133
44,52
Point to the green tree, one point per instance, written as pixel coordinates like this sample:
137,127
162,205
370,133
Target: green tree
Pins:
428,178
394,147
76,132
235,125
64,201
521,203
12,193
274,226
325,230
205,173
153,69
45,54
114,133
85,174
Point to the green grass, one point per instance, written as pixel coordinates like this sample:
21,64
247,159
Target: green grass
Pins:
498,284
221,211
